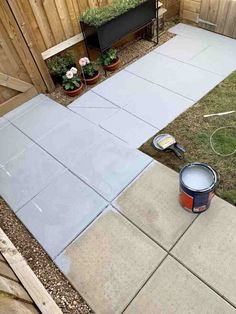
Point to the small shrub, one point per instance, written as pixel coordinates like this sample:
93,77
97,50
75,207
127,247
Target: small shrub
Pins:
99,16
59,65
109,57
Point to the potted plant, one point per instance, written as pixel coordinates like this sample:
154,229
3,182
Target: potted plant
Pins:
110,60
59,65
103,26
72,84
90,75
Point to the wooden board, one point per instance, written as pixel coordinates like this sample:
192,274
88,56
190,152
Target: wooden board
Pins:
26,276
5,271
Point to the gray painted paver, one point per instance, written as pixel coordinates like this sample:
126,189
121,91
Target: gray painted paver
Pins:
151,103
210,38
40,117
26,175
129,128
91,100
172,289
182,78
93,107
220,60
182,48
208,248
104,162
12,143
60,212
3,122
110,262
151,203
109,166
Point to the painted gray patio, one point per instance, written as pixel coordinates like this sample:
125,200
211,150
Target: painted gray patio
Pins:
107,214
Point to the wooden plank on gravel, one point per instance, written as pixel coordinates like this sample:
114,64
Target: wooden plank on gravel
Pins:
31,283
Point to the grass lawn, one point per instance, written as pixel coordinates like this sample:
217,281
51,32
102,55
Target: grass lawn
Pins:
193,131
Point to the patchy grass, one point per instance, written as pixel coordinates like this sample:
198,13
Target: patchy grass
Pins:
193,131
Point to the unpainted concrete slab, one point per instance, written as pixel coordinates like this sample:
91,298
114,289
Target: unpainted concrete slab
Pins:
208,248
151,203
174,290
110,262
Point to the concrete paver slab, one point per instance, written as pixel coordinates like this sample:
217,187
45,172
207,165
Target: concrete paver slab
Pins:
109,165
12,143
90,100
220,60
149,102
208,248
41,118
3,122
151,203
184,79
129,128
96,115
173,289
70,139
27,106
110,262
60,212
26,175
182,48
208,37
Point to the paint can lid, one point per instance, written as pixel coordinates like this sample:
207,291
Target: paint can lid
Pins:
198,177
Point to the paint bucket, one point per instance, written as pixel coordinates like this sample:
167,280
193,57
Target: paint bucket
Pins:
198,183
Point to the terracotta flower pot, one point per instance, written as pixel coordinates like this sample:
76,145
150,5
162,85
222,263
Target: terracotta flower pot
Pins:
91,81
112,67
75,92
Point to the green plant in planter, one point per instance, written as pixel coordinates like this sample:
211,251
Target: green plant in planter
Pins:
99,16
59,65
109,57
71,81
88,68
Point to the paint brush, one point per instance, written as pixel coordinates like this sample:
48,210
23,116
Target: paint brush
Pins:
218,114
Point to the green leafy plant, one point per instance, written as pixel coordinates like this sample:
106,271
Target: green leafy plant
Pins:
100,15
71,80
109,57
59,65
88,68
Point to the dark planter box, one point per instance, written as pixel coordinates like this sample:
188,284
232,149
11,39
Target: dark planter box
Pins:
106,35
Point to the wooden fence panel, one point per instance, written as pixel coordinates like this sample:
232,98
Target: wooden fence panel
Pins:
55,21
214,15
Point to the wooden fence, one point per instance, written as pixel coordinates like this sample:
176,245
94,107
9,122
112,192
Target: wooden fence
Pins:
218,15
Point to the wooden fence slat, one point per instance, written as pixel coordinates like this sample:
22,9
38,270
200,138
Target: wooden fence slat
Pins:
26,276
6,271
28,35
14,83
27,9
73,16
14,288
10,306
230,21
54,20
42,21
65,18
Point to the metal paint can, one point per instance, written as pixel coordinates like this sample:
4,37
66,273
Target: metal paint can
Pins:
198,182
